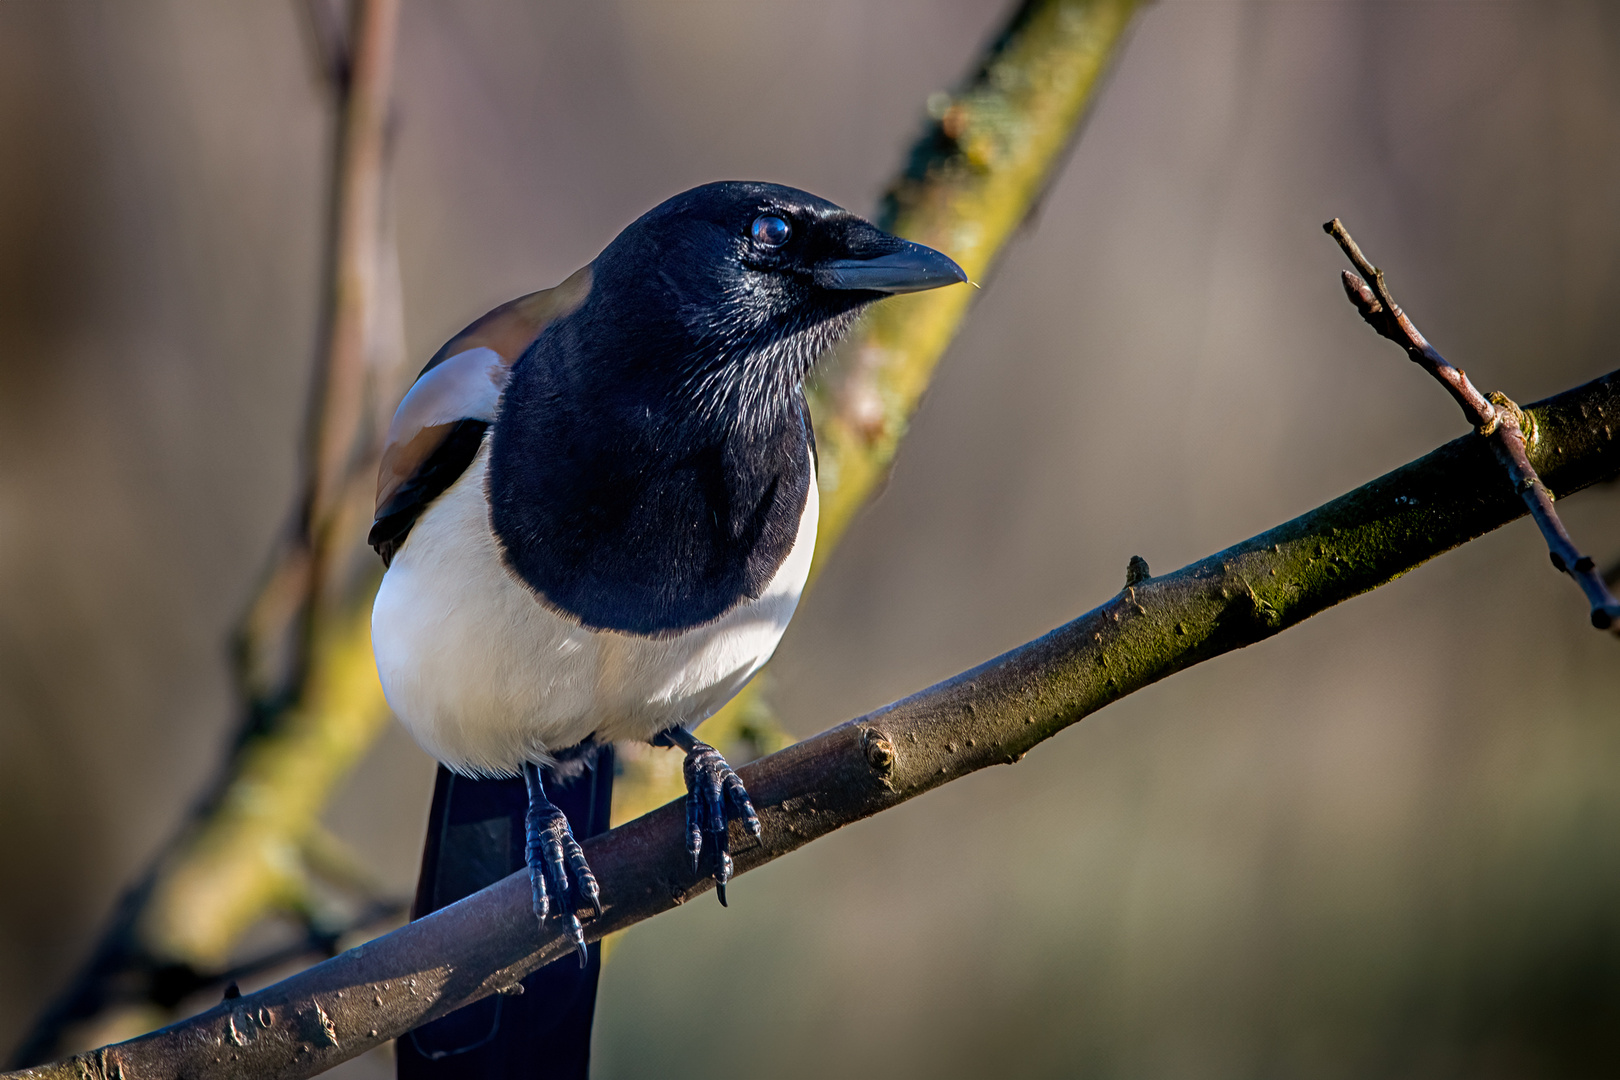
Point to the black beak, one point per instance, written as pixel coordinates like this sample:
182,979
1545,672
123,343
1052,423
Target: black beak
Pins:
911,269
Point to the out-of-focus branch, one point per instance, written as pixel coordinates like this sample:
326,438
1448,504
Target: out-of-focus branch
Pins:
990,715
244,855
325,23
313,704
1495,417
989,151
340,408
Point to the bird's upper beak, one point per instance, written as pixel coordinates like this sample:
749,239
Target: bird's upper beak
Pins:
911,269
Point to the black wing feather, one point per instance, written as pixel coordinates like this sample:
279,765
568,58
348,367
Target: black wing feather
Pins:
438,472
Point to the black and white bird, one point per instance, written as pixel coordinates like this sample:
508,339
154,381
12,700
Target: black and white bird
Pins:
598,505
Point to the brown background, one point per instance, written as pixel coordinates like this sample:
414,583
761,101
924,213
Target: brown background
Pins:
1381,844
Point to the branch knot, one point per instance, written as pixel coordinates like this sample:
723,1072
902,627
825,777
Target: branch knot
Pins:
1136,572
879,752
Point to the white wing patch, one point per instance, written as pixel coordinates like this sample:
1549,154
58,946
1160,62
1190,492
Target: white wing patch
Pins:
467,386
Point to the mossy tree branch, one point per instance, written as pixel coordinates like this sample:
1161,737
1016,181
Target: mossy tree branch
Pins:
987,154
990,715
990,150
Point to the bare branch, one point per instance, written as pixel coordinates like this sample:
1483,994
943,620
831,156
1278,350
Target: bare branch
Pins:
1495,417
340,411
990,715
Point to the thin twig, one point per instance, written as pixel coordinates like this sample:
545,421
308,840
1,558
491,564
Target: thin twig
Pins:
988,716
1495,417
341,410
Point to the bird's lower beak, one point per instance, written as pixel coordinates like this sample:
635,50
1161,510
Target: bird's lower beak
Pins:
911,269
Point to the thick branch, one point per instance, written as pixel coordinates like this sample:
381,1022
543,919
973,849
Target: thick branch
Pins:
990,715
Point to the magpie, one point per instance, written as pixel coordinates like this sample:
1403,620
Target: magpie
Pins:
597,506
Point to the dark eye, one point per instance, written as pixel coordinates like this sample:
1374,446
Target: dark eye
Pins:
770,231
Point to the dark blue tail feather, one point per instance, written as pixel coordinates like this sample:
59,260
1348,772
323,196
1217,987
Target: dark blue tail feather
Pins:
475,838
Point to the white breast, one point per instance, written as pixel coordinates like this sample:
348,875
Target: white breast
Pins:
486,678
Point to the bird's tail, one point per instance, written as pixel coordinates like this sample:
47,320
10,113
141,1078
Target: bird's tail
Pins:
475,838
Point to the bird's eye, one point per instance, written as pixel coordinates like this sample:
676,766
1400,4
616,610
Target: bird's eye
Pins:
770,231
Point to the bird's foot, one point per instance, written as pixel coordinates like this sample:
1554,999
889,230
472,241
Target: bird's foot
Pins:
715,797
559,876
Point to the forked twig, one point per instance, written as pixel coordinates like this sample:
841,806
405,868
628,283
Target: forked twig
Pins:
1494,416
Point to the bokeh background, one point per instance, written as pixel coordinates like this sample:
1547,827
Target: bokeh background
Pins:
1386,843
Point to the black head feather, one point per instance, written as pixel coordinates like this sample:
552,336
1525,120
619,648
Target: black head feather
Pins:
651,456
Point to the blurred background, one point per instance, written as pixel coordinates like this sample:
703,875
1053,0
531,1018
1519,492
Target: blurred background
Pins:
1387,842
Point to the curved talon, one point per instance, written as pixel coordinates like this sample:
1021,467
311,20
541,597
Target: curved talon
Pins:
722,874
577,932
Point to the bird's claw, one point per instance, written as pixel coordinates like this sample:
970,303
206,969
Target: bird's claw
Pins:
559,876
715,797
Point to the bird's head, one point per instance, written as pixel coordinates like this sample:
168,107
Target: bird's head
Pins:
731,290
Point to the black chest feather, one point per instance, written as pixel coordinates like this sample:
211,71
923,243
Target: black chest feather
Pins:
627,515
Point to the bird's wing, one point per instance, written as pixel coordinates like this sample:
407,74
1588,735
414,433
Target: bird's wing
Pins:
438,427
